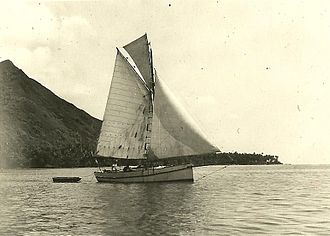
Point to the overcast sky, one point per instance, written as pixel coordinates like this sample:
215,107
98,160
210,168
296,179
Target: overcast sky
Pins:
253,74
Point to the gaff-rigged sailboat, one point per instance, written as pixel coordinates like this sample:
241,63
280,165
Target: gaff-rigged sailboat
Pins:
143,121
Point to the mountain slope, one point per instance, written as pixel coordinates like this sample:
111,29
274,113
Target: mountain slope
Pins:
39,129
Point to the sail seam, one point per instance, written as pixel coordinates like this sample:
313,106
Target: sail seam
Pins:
125,100
118,121
113,104
128,118
123,112
128,84
125,97
122,89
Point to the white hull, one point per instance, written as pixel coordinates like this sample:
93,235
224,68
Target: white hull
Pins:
166,174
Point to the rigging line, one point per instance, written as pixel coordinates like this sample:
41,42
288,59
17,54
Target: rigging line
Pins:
204,176
92,177
86,175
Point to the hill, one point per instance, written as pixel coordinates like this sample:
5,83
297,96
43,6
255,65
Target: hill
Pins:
39,129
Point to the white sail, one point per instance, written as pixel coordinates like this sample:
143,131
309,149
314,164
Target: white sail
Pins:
124,127
142,117
174,133
139,51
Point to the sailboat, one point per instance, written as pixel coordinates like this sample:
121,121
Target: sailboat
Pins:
143,121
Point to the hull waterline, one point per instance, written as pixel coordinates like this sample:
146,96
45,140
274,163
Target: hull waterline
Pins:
166,174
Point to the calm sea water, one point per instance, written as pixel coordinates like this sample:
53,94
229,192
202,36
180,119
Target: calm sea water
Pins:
237,200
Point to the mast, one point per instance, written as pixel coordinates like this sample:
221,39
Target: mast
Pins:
152,73
142,120
151,105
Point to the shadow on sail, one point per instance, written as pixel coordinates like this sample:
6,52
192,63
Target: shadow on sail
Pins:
143,121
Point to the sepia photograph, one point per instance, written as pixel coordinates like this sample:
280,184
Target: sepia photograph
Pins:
161,117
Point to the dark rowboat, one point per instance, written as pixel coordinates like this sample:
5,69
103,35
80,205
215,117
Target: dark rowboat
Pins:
66,179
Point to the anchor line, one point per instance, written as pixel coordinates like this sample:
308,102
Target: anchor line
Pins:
204,176
86,175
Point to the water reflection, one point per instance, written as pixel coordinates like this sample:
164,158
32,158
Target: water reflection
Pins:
237,201
165,208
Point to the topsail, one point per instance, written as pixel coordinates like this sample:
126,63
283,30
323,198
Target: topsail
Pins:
142,118
140,53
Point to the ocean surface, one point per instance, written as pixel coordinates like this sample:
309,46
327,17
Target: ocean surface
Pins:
237,200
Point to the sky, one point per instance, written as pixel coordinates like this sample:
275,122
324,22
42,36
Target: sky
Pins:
253,74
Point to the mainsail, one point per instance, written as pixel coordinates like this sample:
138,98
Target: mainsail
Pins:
124,127
174,132
141,117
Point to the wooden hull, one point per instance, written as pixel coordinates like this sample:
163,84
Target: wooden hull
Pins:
166,174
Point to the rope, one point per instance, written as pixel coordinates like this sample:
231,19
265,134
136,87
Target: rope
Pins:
92,177
210,173
87,175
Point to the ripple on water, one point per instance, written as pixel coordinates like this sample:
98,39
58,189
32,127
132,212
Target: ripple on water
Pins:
238,200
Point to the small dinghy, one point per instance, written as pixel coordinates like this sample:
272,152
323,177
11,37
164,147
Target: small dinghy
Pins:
66,179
